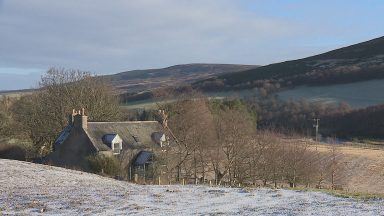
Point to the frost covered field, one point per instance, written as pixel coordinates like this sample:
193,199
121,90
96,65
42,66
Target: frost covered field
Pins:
27,188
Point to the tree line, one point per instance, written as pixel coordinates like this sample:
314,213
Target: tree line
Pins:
296,73
219,140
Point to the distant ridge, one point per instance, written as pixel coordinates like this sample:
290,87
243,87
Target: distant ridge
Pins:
359,62
366,49
140,80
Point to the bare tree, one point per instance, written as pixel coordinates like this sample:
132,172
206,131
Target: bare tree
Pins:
191,125
44,113
234,130
295,162
273,156
334,166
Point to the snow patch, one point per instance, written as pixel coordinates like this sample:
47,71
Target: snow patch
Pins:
27,188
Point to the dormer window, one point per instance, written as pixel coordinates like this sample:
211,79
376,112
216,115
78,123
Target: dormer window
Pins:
159,138
117,147
114,142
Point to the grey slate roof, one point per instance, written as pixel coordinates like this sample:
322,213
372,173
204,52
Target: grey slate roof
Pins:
142,158
157,136
63,135
129,132
108,138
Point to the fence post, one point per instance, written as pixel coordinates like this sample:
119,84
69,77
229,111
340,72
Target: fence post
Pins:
130,173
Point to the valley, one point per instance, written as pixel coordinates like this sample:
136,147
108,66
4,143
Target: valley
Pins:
357,94
192,108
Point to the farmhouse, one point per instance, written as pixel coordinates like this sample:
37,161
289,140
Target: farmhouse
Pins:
80,139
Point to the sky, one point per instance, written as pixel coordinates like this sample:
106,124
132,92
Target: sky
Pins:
107,37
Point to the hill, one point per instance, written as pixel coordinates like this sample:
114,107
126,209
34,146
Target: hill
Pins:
28,189
363,61
139,80
16,93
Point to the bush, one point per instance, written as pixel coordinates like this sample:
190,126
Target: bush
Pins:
101,164
13,152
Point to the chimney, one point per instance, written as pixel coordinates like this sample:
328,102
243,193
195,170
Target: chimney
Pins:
80,120
164,118
71,117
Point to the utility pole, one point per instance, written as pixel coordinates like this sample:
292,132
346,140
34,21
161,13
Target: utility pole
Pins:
316,126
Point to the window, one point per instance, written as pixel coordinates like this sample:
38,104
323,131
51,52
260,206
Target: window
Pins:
116,148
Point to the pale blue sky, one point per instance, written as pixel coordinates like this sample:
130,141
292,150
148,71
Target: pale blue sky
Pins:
113,36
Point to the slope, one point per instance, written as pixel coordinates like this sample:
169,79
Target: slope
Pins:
363,61
28,189
139,80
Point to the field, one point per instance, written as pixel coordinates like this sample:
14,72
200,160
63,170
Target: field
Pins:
364,168
358,95
30,189
16,93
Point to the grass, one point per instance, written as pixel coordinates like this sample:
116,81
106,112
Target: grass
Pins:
337,193
343,193
145,104
374,142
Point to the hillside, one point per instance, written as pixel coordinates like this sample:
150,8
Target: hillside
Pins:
28,189
363,61
16,93
139,80
357,95
366,122
362,171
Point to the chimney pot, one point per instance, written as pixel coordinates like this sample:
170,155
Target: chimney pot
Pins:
81,120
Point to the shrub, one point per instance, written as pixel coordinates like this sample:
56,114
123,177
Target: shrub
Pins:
13,152
104,165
